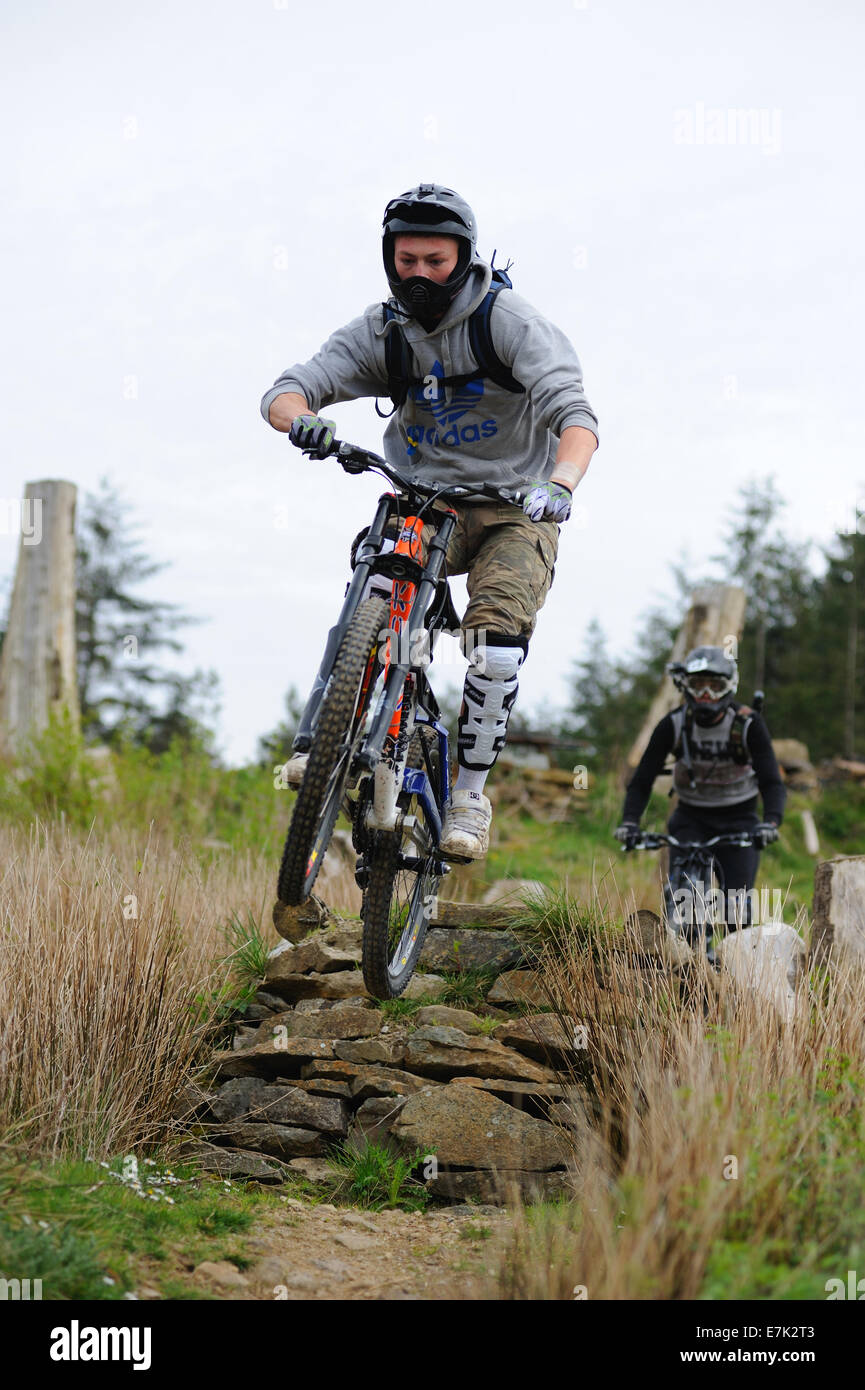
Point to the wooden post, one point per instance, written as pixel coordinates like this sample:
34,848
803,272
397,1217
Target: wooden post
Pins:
716,614
37,660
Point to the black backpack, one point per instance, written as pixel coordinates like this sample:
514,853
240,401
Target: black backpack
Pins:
400,363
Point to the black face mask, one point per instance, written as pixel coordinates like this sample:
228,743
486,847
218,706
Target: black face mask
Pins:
424,298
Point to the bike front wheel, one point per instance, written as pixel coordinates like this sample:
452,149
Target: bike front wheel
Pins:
404,871
339,733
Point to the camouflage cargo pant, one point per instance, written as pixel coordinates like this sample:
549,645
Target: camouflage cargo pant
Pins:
509,562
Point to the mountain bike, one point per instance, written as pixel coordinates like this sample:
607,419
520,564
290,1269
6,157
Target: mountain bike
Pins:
695,895
377,745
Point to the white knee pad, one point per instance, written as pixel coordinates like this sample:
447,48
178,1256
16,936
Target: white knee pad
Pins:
488,696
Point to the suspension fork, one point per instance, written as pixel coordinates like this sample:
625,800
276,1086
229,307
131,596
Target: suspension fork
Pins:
400,663
367,551
388,774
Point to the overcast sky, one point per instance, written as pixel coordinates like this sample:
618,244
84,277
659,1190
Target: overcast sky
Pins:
194,195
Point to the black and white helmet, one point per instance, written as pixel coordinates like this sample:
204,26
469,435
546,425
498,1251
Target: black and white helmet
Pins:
430,209
708,679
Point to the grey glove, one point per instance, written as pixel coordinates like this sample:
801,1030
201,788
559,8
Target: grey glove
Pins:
766,833
547,502
628,833
313,434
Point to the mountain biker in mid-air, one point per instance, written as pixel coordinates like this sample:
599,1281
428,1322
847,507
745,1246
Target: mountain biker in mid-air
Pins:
723,760
485,390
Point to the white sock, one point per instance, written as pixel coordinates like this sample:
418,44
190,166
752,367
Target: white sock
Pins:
471,779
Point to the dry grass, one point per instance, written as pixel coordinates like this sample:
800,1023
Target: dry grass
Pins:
112,963
716,1152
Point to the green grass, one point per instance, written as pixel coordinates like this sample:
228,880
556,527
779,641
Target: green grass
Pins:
375,1177
397,1010
468,988
249,949
187,795
88,1235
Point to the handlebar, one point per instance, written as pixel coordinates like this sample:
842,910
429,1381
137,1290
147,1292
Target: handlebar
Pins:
354,459
651,839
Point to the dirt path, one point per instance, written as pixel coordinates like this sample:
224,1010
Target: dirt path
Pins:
316,1251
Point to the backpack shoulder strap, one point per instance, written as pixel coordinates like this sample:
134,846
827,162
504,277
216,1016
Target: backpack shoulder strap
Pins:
738,733
678,718
398,361
683,724
481,337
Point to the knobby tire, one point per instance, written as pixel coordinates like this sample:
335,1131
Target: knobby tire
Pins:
389,886
336,739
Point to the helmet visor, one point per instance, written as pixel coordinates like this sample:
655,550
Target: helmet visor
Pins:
705,686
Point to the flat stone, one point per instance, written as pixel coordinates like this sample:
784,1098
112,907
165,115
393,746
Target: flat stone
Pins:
355,1240
388,1051
331,1071
524,1095
281,1056
492,917
374,1119
221,1272
339,984
514,892
324,952
279,1141
237,1097
466,1128
442,1016
365,1081
541,1036
423,986
231,1165
315,1169
384,1081
268,1001
497,1188
323,1086
256,1013
247,1098
446,1052
518,987
344,1020
455,949
270,1272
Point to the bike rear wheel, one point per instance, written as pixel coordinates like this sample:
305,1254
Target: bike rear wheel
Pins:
404,872
337,739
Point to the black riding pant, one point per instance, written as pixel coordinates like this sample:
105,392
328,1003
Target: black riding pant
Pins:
738,865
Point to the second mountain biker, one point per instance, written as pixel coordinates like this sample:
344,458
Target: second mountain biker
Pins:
724,760
526,426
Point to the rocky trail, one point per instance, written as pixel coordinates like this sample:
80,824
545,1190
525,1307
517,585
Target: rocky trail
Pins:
481,1099
316,1250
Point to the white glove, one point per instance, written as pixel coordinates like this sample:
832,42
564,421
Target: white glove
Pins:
547,502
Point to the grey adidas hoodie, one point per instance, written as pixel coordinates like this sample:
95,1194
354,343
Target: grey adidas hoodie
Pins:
479,434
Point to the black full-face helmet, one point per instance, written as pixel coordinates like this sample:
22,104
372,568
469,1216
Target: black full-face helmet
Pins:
708,679
428,210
